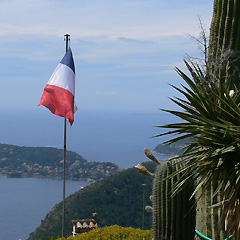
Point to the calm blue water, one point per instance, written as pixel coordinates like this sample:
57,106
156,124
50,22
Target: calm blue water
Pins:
118,137
25,202
114,136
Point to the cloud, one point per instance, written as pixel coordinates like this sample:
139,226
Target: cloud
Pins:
101,31
134,41
130,46
137,20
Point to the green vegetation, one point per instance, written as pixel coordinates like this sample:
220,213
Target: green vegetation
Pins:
114,233
173,217
47,162
207,220
174,214
224,44
117,200
211,118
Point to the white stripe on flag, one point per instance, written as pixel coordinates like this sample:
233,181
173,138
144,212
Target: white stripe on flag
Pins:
63,77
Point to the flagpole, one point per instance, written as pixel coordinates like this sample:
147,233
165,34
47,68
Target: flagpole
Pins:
66,38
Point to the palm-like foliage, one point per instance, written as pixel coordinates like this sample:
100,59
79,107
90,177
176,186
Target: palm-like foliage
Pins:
211,120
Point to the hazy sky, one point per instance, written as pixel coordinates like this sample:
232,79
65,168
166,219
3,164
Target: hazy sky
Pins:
124,51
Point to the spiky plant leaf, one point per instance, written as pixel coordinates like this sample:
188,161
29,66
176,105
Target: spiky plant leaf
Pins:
211,120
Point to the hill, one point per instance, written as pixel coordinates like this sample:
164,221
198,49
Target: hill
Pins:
47,162
170,150
117,199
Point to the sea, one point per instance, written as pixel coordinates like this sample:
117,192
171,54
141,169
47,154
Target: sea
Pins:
105,136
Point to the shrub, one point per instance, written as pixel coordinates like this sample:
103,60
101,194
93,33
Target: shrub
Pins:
114,233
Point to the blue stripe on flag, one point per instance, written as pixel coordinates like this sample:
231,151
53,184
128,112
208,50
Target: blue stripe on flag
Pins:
68,59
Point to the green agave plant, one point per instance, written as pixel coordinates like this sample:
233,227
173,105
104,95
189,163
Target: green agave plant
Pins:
211,123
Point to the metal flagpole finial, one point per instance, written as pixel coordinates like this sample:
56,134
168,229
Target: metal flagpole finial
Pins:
67,39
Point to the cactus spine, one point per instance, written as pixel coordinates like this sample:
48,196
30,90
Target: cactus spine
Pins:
223,69
224,31
173,217
224,43
208,218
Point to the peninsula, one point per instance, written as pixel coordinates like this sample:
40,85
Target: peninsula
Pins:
47,162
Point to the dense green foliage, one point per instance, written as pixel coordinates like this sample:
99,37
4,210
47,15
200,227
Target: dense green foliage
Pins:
47,162
174,217
212,155
211,117
114,233
117,200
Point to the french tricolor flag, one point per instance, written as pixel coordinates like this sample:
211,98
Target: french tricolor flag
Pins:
58,95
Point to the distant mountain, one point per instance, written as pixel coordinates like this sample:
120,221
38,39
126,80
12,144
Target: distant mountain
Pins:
117,199
47,162
172,149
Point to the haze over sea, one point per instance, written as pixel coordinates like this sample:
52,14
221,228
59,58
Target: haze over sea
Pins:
124,52
114,136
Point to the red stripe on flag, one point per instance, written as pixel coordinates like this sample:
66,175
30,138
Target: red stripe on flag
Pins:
59,101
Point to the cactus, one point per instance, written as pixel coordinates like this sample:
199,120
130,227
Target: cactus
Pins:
149,208
224,43
208,214
173,217
223,70
144,171
151,156
224,31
